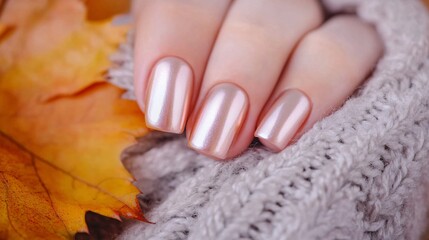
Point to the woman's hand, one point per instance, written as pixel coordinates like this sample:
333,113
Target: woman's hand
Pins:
232,70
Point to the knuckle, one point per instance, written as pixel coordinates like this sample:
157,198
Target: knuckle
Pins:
329,47
321,41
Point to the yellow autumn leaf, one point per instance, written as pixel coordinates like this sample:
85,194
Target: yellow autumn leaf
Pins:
47,32
62,127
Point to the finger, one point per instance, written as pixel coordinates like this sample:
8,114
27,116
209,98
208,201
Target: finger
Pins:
173,42
247,60
327,66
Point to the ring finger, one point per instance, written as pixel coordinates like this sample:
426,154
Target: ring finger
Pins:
327,66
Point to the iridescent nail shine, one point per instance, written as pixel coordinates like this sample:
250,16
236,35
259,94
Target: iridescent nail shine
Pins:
219,120
168,95
283,119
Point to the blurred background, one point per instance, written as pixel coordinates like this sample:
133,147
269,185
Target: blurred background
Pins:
101,9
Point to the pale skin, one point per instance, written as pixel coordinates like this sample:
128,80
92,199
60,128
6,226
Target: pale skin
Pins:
263,48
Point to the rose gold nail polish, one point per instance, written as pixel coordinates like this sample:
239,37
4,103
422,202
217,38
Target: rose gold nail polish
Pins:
168,95
219,120
283,119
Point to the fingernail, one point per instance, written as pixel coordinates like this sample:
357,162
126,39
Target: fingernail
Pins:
219,120
283,119
168,95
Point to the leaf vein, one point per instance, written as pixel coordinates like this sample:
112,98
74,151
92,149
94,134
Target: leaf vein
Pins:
36,157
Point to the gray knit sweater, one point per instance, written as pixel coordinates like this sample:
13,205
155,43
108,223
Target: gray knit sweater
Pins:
360,173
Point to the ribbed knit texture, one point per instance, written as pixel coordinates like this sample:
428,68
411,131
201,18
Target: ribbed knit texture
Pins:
360,173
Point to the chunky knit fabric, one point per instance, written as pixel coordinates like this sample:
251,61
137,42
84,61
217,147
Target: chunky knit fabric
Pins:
360,173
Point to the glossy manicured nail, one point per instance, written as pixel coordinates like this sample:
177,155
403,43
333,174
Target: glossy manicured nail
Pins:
168,95
283,119
219,120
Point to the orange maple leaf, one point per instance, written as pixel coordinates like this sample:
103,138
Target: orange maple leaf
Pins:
62,127
99,10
